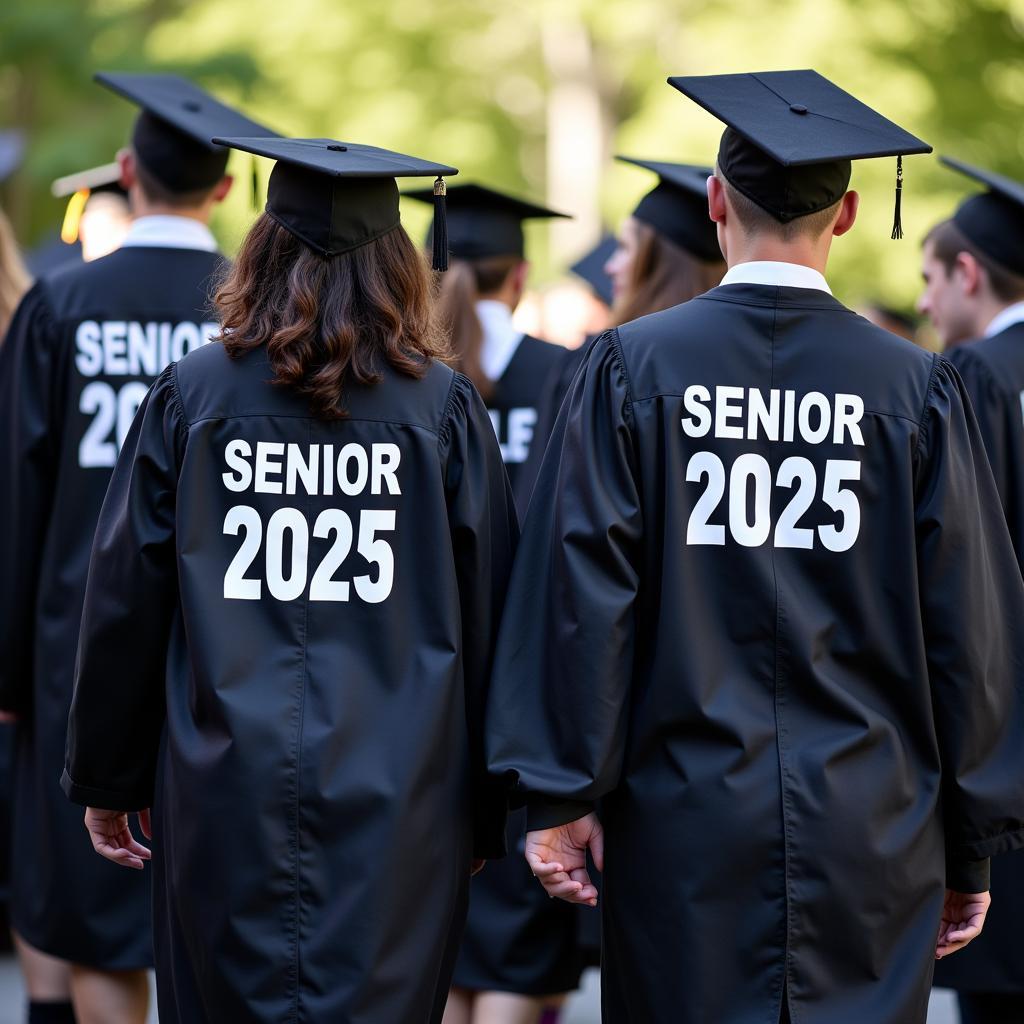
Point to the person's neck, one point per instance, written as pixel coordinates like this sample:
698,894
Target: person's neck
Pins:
157,210
802,252
988,307
505,300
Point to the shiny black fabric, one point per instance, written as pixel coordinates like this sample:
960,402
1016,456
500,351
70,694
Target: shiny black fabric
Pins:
516,939
310,739
993,375
83,348
512,406
786,741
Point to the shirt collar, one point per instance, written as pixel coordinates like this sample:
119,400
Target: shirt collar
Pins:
1007,318
166,231
501,339
773,272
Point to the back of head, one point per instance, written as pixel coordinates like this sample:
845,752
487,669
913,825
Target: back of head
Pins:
946,241
663,274
328,322
465,283
757,222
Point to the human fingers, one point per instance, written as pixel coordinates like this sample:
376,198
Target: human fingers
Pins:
542,868
596,844
562,890
116,853
145,823
8,717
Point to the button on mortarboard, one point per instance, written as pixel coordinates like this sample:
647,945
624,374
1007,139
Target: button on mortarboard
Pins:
172,134
678,206
993,220
484,223
791,135
335,196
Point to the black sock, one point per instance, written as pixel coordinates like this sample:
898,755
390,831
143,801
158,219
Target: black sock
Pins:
51,1013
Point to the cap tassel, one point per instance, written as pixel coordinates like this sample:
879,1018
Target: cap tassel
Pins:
255,186
897,222
73,216
440,233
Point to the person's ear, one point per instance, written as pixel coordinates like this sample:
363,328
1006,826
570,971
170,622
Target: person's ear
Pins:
222,188
716,200
848,208
967,269
522,275
126,162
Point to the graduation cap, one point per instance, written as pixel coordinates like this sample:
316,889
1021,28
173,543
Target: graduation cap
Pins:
791,137
12,147
590,267
81,187
677,206
992,220
173,132
339,196
483,223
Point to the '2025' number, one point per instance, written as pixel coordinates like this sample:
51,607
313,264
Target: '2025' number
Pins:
751,470
288,582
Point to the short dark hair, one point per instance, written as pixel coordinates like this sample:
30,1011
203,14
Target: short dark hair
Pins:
157,192
948,241
757,221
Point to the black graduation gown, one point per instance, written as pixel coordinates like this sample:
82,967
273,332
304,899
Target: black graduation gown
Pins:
286,648
993,374
516,939
790,668
83,348
513,408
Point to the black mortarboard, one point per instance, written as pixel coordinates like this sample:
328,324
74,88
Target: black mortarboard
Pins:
339,196
590,267
677,206
81,187
791,136
483,223
172,133
12,146
993,220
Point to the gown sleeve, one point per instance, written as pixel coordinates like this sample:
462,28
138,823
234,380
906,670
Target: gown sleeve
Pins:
30,428
972,602
556,721
117,713
484,530
989,405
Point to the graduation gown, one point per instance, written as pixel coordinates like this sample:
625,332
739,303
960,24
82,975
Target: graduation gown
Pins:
516,939
83,348
513,408
992,370
285,650
765,609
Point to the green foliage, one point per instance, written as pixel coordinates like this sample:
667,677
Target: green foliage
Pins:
470,82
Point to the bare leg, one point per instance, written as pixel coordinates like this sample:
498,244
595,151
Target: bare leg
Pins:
109,997
47,979
506,1008
459,1008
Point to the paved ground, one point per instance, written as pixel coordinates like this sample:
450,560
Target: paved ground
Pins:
582,1010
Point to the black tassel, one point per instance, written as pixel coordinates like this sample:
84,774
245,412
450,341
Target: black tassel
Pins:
255,186
897,222
440,233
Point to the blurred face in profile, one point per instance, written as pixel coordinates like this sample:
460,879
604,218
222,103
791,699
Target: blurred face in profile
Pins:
946,299
620,264
105,222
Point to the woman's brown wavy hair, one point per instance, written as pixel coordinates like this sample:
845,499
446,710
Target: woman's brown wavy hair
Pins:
327,323
663,275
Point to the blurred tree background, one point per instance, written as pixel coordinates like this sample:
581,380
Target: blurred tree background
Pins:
534,97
